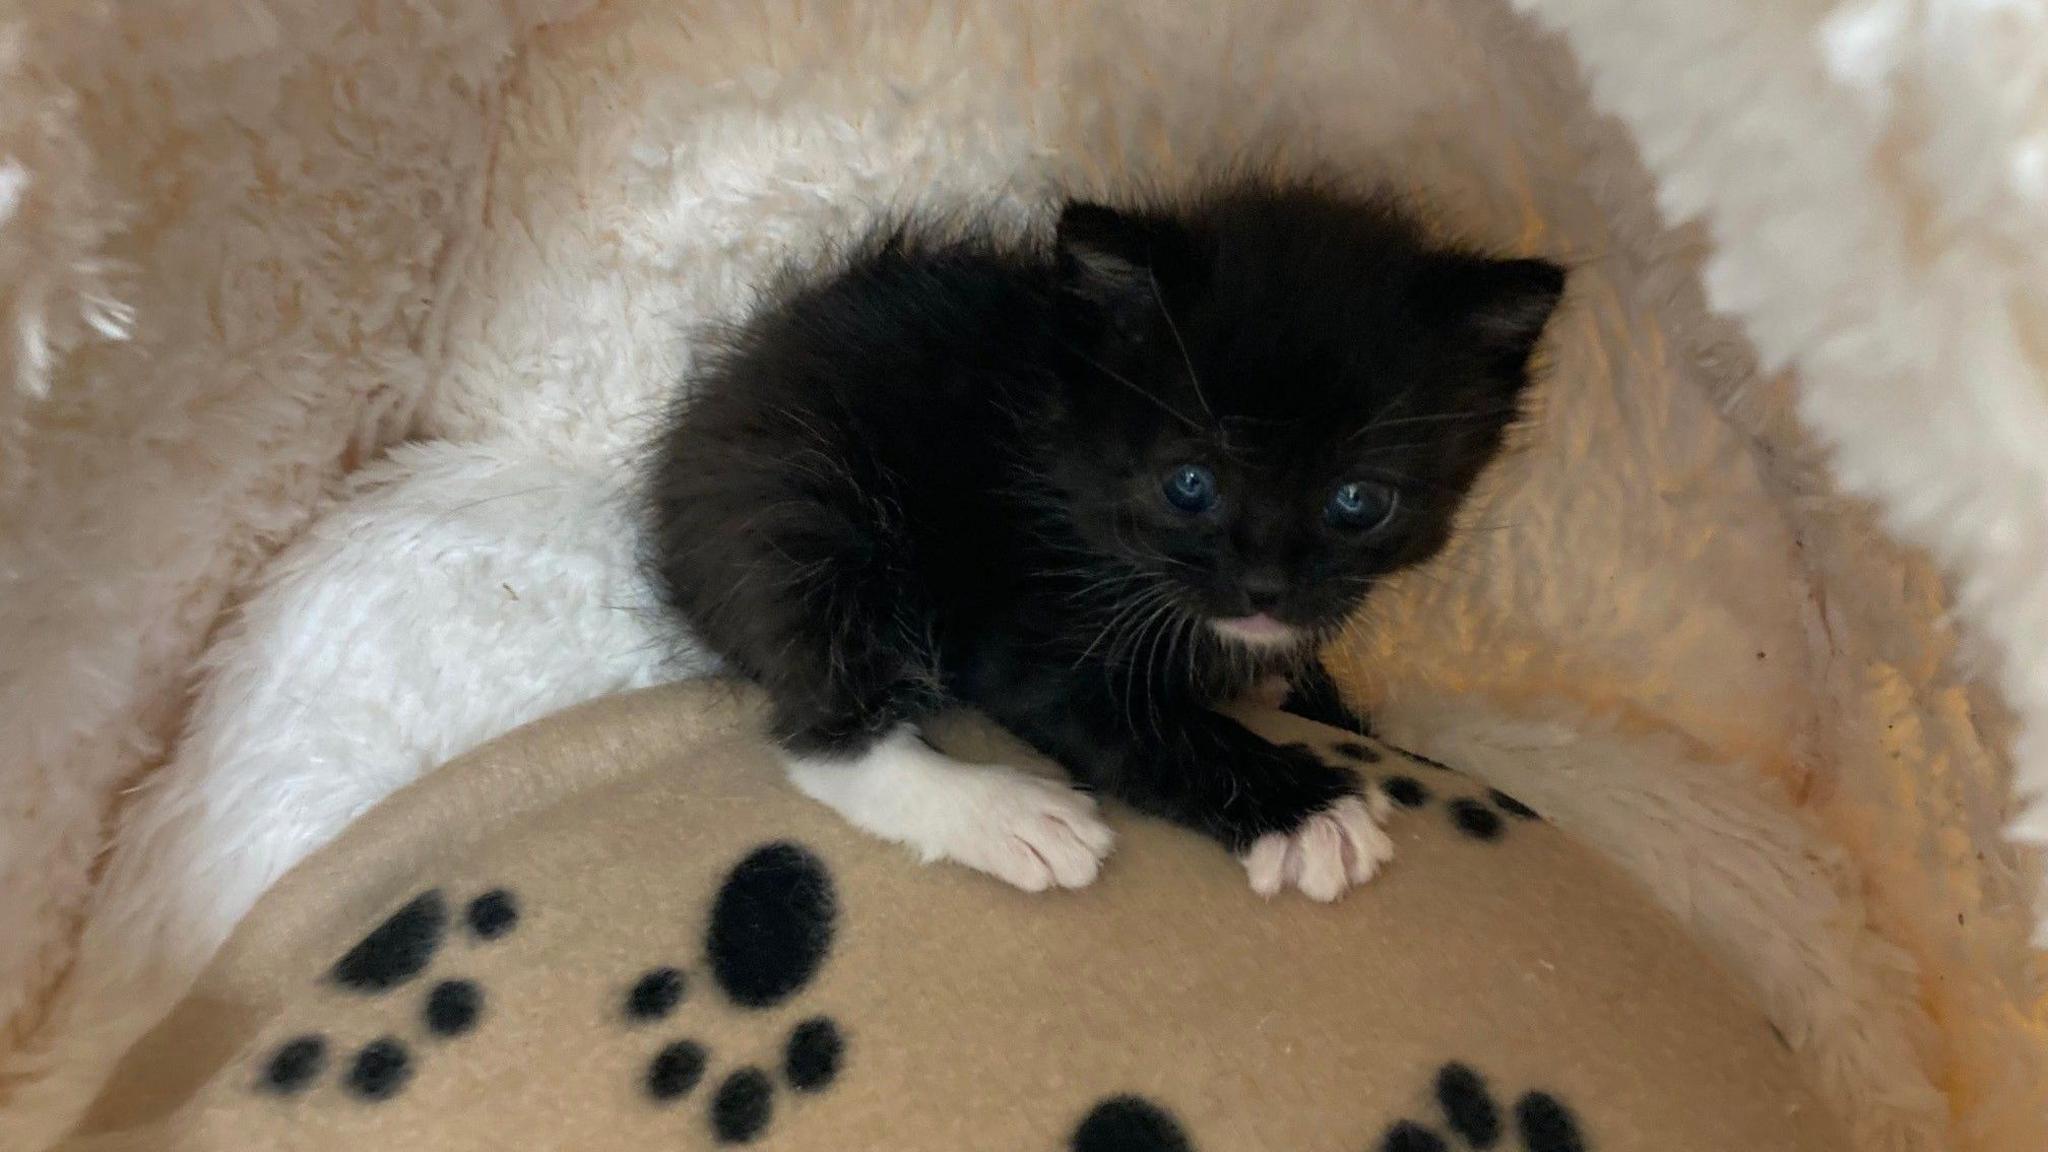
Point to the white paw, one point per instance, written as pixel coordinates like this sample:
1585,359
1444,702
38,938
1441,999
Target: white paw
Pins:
1026,830
1030,831
1336,849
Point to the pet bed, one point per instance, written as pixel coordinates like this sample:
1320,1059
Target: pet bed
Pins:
618,921
332,328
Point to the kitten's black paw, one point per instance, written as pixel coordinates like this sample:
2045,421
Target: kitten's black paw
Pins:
1275,787
1312,695
1327,710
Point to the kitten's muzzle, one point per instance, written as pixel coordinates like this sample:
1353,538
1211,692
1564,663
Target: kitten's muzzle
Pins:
1263,592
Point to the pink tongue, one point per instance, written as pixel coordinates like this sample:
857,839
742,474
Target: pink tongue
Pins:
1259,625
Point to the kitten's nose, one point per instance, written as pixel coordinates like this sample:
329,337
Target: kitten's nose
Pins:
1264,590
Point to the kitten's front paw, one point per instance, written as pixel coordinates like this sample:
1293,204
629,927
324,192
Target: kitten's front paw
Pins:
1029,831
1033,832
1333,850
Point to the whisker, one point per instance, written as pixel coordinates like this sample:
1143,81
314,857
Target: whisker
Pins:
1129,610
1113,374
1164,618
1474,417
1172,326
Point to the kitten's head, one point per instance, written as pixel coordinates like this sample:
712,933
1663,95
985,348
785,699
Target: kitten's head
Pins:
1276,397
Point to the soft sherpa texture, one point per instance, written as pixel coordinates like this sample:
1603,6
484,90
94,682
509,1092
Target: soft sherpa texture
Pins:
490,227
294,183
57,282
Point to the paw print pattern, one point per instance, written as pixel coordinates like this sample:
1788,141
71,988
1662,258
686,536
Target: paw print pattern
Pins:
656,994
1484,817
771,925
453,1007
1357,751
397,950
1129,1124
811,1061
1473,1119
296,1064
676,1070
493,914
395,953
381,1070
770,931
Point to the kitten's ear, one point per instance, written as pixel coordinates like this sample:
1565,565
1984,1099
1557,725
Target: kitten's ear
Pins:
1110,256
1501,305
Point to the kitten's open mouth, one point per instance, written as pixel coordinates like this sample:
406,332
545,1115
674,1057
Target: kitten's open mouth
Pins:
1260,631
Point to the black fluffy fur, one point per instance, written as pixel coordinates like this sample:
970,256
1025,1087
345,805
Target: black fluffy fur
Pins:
933,475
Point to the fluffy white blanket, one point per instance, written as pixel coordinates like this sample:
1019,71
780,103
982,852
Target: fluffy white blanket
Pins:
331,325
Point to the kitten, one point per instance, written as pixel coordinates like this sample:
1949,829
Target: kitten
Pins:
1093,489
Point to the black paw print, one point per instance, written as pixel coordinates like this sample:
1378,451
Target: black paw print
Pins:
1473,1119
394,954
771,927
1129,1124
1476,816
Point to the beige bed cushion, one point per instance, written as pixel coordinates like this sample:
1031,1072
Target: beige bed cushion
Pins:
620,929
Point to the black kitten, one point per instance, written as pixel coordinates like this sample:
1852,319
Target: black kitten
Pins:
1093,490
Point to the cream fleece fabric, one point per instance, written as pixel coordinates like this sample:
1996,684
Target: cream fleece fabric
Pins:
618,927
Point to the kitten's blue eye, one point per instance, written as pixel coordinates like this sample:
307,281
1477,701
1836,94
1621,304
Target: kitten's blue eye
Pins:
1191,488
1361,505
